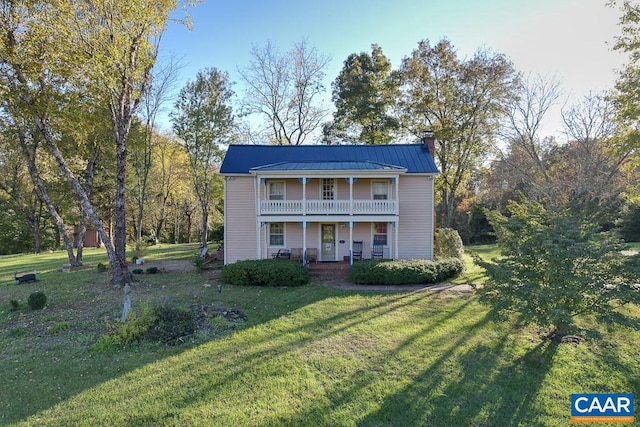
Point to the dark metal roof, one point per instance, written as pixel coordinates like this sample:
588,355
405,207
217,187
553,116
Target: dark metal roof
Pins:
241,159
325,166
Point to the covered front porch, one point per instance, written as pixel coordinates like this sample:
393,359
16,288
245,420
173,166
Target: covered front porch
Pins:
328,240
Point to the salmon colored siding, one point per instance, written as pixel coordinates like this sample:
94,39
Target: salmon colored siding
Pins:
240,219
416,218
414,226
293,189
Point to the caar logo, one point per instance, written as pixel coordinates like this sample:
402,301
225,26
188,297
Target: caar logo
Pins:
593,408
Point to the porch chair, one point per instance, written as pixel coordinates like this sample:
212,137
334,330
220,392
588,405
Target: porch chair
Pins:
357,250
312,255
282,254
296,254
377,251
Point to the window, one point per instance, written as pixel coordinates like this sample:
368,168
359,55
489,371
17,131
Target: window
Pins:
276,234
380,190
328,188
380,233
276,190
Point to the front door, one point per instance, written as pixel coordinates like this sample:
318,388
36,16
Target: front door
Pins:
328,242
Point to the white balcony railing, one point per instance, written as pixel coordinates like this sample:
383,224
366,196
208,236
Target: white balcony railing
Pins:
328,207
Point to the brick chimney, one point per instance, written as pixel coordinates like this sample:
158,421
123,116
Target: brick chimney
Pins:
429,142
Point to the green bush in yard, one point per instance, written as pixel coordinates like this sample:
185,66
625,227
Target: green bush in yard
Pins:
448,268
265,272
121,335
163,323
37,300
556,265
448,244
405,272
171,325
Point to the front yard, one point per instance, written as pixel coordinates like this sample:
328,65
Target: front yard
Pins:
311,355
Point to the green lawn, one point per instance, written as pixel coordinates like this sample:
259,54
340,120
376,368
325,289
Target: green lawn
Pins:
311,356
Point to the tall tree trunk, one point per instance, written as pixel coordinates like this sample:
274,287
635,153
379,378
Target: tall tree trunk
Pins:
120,230
120,275
205,224
176,225
44,196
36,230
82,231
90,173
189,227
447,208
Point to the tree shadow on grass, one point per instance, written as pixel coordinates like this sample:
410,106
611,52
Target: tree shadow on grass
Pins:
196,373
346,395
478,387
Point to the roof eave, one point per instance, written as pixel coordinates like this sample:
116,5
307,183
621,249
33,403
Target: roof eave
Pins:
329,173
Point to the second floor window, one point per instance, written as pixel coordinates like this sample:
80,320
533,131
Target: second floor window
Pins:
328,189
276,190
380,190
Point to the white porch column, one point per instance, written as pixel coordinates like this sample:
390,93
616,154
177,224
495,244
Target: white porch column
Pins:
305,256
350,196
350,242
395,239
304,196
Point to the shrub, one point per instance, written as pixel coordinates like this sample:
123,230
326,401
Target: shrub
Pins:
137,271
102,267
152,270
448,244
123,334
163,323
15,305
171,325
556,265
37,300
448,268
265,272
404,272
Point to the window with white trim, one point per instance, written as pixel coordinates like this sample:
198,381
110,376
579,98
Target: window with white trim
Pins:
276,234
380,233
380,190
328,189
276,190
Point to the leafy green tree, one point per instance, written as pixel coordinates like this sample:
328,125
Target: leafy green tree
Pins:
556,265
156,95
118,44
21,207
627,90
203,119
171,178
56,52
365,94
462,102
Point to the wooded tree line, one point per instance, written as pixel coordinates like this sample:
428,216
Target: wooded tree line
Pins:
81,90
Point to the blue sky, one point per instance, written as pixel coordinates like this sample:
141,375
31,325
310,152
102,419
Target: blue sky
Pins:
570,39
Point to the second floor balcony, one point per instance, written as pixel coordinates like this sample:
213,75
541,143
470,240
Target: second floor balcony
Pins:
328,207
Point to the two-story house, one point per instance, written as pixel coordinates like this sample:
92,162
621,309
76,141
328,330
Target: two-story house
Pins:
320,199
